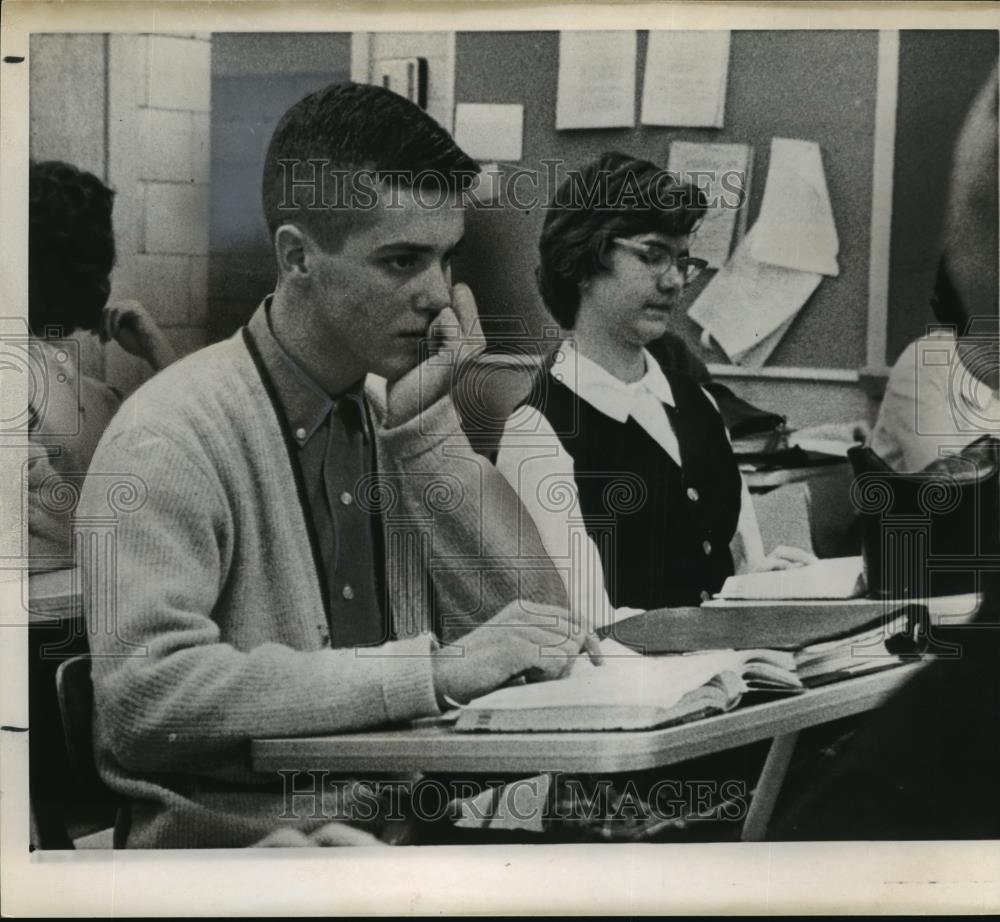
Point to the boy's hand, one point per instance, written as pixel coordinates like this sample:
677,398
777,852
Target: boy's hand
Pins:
451,331
538,645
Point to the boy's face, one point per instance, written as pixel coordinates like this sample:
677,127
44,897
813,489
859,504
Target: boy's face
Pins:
374,299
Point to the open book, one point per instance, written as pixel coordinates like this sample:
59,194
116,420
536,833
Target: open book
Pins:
630,691
834,578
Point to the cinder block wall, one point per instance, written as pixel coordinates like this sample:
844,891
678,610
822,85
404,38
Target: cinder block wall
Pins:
134,109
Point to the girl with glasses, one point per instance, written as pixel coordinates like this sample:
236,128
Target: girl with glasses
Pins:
624,464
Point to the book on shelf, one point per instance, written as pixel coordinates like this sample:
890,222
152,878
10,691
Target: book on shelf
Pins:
832,578
630,691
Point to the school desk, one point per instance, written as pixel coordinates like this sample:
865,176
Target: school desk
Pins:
434,747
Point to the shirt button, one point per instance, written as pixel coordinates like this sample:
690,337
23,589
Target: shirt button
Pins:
706,546
300,434
705,595
692,494
346,498
347,592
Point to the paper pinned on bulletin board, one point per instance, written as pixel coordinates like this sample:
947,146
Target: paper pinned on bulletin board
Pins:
749,304
721,171
685,80
795,227
596,80
489,132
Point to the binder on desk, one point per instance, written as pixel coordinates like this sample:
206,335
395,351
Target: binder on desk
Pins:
777,625
744,625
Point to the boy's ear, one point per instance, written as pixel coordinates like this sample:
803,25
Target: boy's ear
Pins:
291,244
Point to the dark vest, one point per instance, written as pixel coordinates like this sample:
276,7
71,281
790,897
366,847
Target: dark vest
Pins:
662,531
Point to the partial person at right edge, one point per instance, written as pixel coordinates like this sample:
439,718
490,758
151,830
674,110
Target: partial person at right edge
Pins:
925,766
942,393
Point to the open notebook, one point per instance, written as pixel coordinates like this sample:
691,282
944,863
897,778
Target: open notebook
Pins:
833,578
630,691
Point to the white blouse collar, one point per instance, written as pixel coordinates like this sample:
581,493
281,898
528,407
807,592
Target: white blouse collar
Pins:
601,389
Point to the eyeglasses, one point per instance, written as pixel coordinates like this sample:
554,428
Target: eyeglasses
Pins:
660,259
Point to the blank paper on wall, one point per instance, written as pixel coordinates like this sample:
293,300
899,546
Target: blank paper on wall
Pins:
489,132
685,79
795,227
596,80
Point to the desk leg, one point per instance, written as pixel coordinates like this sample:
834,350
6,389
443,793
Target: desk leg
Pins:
768,787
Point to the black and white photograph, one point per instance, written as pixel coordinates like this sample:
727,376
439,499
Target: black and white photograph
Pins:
533,460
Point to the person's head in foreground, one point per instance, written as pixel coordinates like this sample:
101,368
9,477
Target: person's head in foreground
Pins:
965,291
615,249
71,248
362,195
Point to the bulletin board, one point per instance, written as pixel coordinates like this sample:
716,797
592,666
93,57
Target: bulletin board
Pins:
811,85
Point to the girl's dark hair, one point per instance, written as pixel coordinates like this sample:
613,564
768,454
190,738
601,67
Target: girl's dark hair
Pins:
71,247
615,196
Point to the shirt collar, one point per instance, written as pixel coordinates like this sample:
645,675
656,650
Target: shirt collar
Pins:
305,404
601,389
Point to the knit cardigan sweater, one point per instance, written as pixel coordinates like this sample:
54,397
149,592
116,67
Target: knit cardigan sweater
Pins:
206,618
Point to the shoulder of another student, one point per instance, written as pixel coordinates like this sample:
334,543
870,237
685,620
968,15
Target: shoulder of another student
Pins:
188,389
928,358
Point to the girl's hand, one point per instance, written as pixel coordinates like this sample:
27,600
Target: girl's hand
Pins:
130,325
785,558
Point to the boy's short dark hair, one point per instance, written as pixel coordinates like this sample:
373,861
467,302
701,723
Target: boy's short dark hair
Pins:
615,196
71,247
346,129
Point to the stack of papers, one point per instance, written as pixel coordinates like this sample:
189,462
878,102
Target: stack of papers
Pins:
752,301
749,305
833,578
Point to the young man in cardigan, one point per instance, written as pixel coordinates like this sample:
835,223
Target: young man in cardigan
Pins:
258,587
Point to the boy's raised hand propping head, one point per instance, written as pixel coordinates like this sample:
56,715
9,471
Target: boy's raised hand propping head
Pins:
455,330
